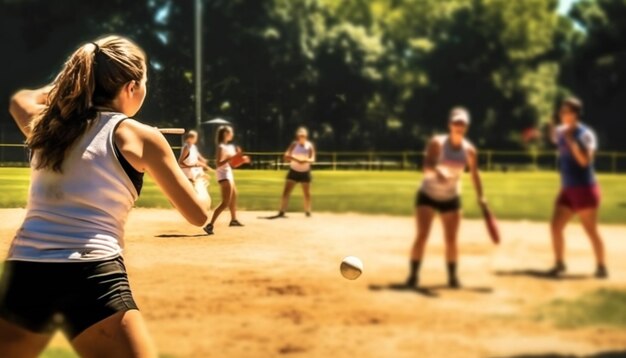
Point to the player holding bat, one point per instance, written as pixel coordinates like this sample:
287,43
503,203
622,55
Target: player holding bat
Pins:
65,268
446,158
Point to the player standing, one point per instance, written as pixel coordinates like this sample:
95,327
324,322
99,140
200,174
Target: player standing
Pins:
445,160
580,193
194,165
87,165
300,155
226,151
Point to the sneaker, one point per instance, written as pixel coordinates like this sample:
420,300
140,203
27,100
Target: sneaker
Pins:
558,269
453,282
235,223
208,229
601,272
412,281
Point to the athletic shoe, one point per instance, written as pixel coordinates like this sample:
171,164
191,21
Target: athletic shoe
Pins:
412,281
601,272
208,229
453,282
558,269
235,223
308,214
281,214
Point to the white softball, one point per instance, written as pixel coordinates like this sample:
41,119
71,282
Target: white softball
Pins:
351,267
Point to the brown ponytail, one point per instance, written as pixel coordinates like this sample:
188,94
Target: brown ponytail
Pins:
221,134
92,77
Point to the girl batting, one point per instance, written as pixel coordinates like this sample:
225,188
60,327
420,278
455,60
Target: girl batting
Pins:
446,158
300,155
65,267
225,152
580,193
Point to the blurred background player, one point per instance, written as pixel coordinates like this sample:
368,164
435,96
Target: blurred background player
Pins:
580,193
225,152
87,166
194,166
300,155
445,160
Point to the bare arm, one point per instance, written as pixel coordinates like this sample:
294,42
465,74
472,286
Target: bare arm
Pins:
312,154
25,105
146,149
184,153
287,156
472,160
583,156
218,155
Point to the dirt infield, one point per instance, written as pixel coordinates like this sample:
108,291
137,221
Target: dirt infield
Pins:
273,288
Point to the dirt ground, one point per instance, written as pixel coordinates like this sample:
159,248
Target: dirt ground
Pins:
273,288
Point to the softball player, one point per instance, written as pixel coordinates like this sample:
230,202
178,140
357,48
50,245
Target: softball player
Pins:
226,151
580,193
194,166
446,158
300,155
65,267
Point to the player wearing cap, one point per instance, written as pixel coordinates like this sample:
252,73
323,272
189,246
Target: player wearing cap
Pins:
445,160
579,193
300,155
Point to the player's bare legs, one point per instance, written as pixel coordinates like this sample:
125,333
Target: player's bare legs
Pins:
424,216
306,189
123,334
284,202
19,342
233,207
589,220
451,221
560,218
226,188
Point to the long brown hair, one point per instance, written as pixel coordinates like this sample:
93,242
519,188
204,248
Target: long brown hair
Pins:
92,77
221,134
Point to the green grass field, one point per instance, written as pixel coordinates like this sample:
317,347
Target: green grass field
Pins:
524,195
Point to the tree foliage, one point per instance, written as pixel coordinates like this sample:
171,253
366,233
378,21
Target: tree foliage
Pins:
377,74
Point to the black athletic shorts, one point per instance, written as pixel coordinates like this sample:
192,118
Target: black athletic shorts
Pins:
299,177
441,206
43,296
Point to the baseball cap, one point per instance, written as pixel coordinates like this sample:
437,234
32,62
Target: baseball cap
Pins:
460,115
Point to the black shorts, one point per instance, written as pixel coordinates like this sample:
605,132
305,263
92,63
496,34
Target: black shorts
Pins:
299,177
441,206
43,296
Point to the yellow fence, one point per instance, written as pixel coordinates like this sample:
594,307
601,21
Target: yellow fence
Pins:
492,160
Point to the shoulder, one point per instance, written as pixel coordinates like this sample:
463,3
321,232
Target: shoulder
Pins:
131,131
309,145
588,136
469,146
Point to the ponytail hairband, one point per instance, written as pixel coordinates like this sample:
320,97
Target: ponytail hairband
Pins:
97,48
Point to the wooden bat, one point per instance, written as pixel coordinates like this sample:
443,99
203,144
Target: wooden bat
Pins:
492,224
172,130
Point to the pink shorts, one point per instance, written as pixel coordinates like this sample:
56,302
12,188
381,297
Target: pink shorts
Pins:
579,198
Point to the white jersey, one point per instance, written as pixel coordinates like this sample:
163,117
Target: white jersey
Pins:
225,171
302,152
452,161
191,168
79,214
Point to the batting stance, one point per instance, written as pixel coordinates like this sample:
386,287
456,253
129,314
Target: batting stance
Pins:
65,267
300,155
446,158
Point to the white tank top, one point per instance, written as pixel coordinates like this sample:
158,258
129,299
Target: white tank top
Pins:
79,214
191,170
225,172
453,161
301,152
